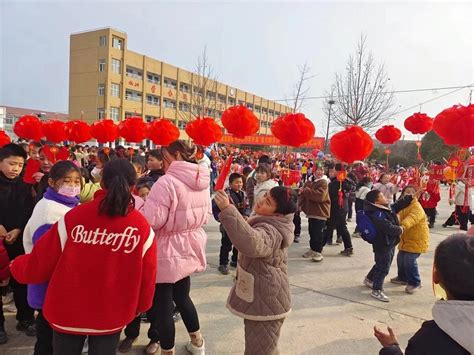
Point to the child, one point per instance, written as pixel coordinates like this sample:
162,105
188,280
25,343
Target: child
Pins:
451,331
429,201
388,235
239,199
155,164
386,187
463,201
60,197
414,240
143,189
16,204
89,186
263,176
261,294
362,189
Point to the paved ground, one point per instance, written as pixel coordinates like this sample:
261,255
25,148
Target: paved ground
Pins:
332,311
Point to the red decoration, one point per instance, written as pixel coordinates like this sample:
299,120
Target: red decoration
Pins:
315,152
293,129
240,121
54,131
4,138
419,123
436,172
163,132
387,151
29,127
104,131
351,144
55,154
133,129
455,125
78,131
223,174
290,178
32,167
204,131
388,134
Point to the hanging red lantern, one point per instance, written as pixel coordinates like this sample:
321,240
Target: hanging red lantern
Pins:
133,129
388,134
29,127
54,131
78,131
351,144
55,154
240,121
293,129
4,138
455,125
387,151
204,131
163,132
419,123
104,131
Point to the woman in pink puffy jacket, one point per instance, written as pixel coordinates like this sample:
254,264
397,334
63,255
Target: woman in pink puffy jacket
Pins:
176,208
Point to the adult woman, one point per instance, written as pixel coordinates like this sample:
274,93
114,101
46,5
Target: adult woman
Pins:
177,207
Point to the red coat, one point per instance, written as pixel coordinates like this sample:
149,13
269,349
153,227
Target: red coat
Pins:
101,269
431,196
4,263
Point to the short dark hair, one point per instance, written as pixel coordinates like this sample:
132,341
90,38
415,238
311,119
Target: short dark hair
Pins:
372,196
103,157
234,176
12,150
285,198
454,262
146,183
155,153
247,170
264,159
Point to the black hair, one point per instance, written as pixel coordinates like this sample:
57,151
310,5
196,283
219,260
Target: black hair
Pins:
264,159
339,167
104,158
186,151
381,177
118,177
264,168
247,170
139,161
155,153
286,199
36,144
233,177
62,168
454,262
372,196
364,182
147,183
86,175
406,188
12,150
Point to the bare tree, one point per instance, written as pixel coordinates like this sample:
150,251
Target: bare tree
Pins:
362,92
301,88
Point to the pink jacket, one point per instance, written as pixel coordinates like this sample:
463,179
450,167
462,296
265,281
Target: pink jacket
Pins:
177,207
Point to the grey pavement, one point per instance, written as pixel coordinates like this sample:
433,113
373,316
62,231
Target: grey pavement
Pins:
332,311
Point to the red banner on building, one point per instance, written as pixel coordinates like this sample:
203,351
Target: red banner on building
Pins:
262,139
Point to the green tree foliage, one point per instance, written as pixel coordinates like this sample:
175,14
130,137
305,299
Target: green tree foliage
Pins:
433,147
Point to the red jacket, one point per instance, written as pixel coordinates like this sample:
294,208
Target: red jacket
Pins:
101,270
431,196
4,263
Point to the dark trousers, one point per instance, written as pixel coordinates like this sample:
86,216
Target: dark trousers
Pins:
44,336
431,214
340,225
165,294
72,344
226,248
408,268
350,202
297,223
462,215
316,234
383,260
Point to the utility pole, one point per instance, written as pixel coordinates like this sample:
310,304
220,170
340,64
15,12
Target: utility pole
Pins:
326,141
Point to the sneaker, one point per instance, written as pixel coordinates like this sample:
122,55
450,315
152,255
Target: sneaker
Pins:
431,225
233,264
368,283
444,225
297,239
397,281
196,350
11,308
152,348
309,254
126,345
28,327
347,252
3,335
412,289
317,257
339,240
223,269
176,316
144,318
378,294
356,235
85,347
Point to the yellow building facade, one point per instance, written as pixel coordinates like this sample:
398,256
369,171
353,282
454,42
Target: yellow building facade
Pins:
106,80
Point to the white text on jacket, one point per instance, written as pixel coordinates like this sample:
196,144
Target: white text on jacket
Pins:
127,239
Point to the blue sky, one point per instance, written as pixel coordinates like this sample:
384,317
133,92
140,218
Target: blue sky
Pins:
256,46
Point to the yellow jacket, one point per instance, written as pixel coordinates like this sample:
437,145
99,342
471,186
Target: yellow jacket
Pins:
416,235
88,191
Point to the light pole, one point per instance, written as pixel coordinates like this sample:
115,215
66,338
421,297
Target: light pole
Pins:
326,141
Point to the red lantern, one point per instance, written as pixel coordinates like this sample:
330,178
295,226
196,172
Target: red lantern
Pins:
29,127
78,131
315,152
419,123
240,121
133,129
387,151
388,134
163,132
104,131
54,131
351,144
4,138
204,131
293,129
455,125
55,154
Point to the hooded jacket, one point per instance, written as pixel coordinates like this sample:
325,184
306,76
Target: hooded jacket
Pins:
416,235
315,201
262,290
177,208
388,228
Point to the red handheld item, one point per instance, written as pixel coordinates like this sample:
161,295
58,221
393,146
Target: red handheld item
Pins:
223,175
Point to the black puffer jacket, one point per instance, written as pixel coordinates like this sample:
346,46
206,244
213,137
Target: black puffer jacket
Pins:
388,227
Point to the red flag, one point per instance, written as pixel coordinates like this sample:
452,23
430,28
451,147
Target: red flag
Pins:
32,167
223,175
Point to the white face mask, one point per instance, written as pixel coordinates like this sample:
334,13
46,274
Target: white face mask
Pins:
96,173
70,191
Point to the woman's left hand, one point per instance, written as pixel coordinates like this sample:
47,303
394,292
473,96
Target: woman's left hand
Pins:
222,200
386,339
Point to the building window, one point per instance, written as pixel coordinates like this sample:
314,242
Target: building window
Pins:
116,66
197,110
258,109
183,107
277,114
241,102
102,41
221,98
149,118
100,113
132,114
198,91
231,101
153,100
169,103
181,124
170,83
153,78
134,73
250,106
264,110
271,113
8,120
133,95
101,64
101,89
184,87
210,112
211,95
117,43
115,90
115,113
